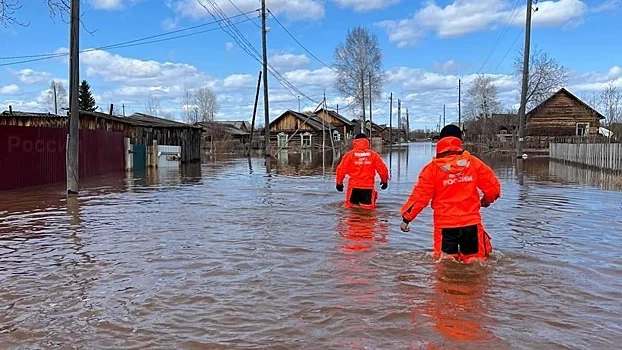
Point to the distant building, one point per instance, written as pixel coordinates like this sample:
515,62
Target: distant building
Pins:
295,131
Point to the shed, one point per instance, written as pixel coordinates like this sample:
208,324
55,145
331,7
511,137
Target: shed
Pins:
563,114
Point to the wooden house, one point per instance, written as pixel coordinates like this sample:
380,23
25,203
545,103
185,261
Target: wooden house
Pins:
295,131
140,128
563,114
345,127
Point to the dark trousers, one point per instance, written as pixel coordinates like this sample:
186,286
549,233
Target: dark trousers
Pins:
460,240
361,196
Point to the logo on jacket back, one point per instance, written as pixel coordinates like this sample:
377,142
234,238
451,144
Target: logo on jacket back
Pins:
362,158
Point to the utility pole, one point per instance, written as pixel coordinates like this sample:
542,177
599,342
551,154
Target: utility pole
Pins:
74,112
371,124
391,120
399,122
55,100
363,99
459,105
123,105
407,127
444,120
523,96
254,113
265,80
298,104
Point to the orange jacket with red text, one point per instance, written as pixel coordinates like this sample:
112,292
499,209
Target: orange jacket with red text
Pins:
361,164
451,181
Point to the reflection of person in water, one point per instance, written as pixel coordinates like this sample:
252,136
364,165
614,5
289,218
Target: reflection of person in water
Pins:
456,308
361,229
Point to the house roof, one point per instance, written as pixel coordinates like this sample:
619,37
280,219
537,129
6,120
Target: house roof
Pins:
136,119
224,126
569,94
311,119
337,116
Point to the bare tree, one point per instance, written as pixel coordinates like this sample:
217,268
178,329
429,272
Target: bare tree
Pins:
546,76
167,115
187,107
8,9
611,101
207,104
482,98
56,99
153,106
355,59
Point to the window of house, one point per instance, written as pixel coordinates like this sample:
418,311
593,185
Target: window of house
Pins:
583,129
305,141
336,135
282,140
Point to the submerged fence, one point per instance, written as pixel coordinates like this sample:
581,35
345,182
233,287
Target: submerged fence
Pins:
597,155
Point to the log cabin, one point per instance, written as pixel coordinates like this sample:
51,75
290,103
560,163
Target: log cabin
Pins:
296,131
341,123
563,114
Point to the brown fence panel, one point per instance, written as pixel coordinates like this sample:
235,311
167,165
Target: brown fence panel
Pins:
33,156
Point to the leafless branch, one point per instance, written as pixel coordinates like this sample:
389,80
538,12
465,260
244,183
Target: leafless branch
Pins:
61,8
611,101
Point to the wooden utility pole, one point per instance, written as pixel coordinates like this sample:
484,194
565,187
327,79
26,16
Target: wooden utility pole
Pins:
265,80
254,113
371,124
407,126
363,100
123,105
55,100
444,120
459,105
74,112
111,108
523,96
391,120
399,122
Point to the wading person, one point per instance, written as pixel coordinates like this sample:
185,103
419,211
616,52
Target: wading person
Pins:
451,181
361,165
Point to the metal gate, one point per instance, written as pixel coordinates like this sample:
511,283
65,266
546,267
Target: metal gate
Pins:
140,157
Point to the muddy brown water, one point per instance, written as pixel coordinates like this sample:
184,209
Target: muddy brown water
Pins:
225,256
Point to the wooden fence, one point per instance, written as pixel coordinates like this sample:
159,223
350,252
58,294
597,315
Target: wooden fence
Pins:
596,155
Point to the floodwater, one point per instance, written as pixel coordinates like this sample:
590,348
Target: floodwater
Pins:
225,256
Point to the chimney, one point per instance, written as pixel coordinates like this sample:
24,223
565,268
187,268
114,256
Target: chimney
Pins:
10,110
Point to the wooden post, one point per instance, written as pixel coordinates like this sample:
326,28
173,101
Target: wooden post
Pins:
407,126
363,127
459,104
371,124
399,122
523,97
74,115
265,82
55,100
254,113
391,121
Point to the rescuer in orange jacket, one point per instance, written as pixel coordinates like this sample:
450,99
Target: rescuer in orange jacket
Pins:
361,164
451,181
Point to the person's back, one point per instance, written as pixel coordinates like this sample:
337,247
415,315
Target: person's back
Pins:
361,165
451,181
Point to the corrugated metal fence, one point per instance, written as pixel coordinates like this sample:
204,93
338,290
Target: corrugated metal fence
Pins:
33,156
597,155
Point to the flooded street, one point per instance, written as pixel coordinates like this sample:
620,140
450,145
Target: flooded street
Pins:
223,256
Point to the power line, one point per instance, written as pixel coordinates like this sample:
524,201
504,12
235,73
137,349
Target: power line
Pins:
510,49
503,32
134,40
118,46
301,45
237,8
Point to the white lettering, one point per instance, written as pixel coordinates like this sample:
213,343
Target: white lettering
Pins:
454,180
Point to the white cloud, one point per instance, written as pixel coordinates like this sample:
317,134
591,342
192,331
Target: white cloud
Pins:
9,90
463,17
111,5
292,9
29,77
446,67
608,5
320,79
229,46
236,81
170,23
366,5
287,62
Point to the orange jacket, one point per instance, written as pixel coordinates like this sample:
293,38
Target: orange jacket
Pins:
361,164
451,181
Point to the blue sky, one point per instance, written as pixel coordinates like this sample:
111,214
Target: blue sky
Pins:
427,47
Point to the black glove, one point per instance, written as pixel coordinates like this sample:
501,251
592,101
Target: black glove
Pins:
339,187
384,185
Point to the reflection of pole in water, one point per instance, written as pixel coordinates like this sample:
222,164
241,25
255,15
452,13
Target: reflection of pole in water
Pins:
407,156
519,171
250,165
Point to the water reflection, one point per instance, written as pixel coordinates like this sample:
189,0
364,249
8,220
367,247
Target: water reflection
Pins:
305,163
545,169
361,230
